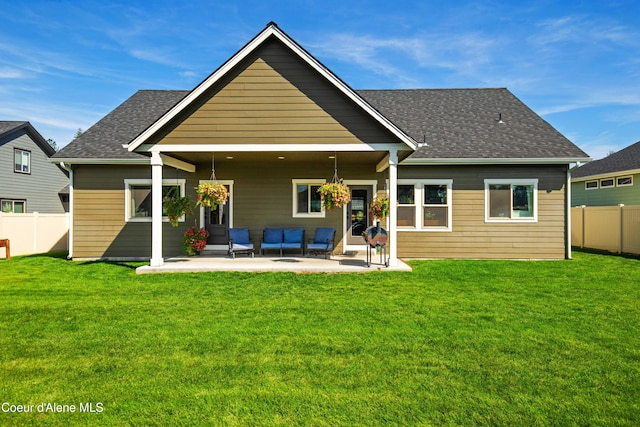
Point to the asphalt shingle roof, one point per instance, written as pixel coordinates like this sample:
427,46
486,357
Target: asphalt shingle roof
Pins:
624,160
7,126
455,123
104,139
464,123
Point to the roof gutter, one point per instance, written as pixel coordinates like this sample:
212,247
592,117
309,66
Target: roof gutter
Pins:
493,161
93,161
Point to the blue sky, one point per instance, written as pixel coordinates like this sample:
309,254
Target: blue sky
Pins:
65,64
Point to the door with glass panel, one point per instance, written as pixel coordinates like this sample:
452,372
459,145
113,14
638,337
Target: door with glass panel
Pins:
217,222
358,217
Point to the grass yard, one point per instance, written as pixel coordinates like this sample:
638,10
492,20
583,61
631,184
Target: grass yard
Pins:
453,343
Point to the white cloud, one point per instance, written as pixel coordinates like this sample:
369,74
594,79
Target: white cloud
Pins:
10,73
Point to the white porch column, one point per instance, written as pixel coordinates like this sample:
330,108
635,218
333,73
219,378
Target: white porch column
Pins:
393,208
156,210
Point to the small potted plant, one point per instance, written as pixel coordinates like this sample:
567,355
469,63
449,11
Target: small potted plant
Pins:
195,240
379,208
175,207
334,195
211,194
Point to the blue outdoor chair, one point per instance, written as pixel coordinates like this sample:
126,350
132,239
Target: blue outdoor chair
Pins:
240,242
323,242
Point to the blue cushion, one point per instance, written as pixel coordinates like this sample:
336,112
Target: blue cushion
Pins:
240,247
324,235
292,245
239,235
271,245
319,246
273,235
293,236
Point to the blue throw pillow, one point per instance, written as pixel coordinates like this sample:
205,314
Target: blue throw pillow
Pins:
293,236
324,235
273,235
239,235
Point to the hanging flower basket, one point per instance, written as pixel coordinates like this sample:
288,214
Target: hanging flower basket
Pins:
175,207
334,195
211,195
195,239
379,208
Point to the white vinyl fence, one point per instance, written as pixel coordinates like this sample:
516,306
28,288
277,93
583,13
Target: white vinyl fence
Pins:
34,233
610,228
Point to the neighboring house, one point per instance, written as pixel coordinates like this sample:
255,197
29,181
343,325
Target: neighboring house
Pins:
29,182
470,173
611,181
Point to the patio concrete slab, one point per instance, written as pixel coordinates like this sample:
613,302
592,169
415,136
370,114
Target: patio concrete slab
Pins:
351,263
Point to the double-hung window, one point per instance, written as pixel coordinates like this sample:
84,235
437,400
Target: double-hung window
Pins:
22,163
511,200
138,198
424,205
307,202
406,205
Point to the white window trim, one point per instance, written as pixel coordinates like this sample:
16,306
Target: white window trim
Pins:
418,188
593,188
508,181
13,205
613,184
623,177
294,200
127,197
22,151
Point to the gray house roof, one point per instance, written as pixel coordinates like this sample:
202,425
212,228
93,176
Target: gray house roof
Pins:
454,123
471,124
626,159
8,126
104,139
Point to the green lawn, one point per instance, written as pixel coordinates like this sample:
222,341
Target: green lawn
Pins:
452,343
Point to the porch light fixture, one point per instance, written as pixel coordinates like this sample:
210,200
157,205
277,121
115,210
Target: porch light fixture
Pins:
281,157
229,157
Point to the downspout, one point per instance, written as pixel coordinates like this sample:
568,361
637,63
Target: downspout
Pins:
69,169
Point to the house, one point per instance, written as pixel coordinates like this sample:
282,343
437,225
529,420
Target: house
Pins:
610,181
29,182
470,173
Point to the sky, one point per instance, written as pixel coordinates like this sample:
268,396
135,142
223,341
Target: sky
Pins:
66,64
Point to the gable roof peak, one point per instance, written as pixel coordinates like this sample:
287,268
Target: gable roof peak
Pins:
272,30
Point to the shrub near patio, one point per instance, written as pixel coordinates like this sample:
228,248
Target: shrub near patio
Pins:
453,342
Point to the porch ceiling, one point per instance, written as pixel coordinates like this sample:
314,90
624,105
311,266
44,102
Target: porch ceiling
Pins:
272,156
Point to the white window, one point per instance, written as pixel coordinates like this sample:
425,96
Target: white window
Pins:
137,199
424,205
13,206
406,205
624,181
22,161
591,185
607,183
307,202
511,200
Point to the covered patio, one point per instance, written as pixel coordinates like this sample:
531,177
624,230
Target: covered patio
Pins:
344,263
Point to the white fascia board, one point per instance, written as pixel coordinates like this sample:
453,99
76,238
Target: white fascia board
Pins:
243,53
606,175
494,161
247,148
93,161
